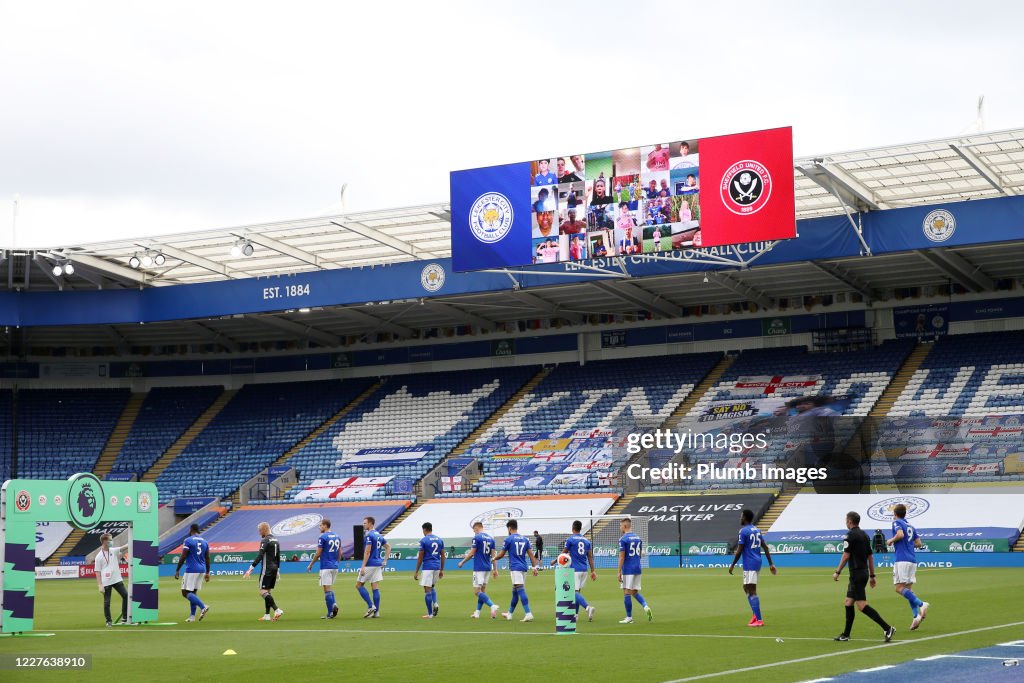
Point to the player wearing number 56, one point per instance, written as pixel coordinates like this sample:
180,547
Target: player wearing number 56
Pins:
108,576
195,555
328,551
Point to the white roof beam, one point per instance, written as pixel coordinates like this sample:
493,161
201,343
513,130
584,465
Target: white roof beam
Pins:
457,312
299,330
372,321
195,260
839,275
958,269
546,306
640,297
983,169
286,249
836,180
110,269
385,239
733,284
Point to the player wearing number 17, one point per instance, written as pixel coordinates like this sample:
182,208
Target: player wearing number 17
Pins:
749,547
517,547
328,551
631,549
196,558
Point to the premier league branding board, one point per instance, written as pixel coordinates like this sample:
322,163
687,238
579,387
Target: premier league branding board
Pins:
683,194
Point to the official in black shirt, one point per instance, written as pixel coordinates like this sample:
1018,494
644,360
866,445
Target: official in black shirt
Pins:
538,542
857,555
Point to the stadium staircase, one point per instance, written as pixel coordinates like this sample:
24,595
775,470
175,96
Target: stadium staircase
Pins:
117,437
1018,547
475,435
70,542
707,384
899,382
401,518
776,508
189,434
235,497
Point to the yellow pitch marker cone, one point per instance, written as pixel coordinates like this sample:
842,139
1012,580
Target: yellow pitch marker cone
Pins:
230,652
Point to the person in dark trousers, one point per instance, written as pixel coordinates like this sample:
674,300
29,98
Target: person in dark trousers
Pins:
857,554
538,543
878,542
108,577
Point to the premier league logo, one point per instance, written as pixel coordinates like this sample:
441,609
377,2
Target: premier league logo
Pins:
85,501
746,187
490,217
939,225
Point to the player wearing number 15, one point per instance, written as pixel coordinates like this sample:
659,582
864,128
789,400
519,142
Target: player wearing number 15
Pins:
431,559
749,547
631,550
195,556
328,551
481,554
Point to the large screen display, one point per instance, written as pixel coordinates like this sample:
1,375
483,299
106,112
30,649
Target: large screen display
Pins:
683,194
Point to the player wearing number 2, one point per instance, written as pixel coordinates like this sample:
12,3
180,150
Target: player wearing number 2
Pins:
328,551
749,547
431,559
631,549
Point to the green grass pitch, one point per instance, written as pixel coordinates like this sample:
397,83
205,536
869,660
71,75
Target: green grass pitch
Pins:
699,628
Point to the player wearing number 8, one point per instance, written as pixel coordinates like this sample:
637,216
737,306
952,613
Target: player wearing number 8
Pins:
581,554
431,559
328,551
630,551
749,547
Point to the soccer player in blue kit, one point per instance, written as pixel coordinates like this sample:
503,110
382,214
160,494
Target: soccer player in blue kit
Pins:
749,547
431,559
375,558
904,542
581,551
328,551
195,555
631,549
518,549
481,554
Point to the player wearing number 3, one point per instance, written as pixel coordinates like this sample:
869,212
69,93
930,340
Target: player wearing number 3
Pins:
749,547
328,551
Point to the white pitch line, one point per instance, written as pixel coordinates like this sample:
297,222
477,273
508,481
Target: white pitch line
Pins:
935,657
828,655
431,632
877,668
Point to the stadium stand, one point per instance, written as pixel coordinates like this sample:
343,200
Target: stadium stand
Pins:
6,429
417,419
257,426
165,414
61,432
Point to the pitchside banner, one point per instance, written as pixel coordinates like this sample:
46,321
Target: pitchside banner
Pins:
708,518
937,516
708,192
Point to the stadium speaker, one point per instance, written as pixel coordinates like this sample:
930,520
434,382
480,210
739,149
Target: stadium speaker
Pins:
357,540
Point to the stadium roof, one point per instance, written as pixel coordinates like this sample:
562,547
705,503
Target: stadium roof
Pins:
966,167
973,166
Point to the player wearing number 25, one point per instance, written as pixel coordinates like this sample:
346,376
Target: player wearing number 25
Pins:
749,547
328,551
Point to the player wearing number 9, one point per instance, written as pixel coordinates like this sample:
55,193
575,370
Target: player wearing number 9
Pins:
328,551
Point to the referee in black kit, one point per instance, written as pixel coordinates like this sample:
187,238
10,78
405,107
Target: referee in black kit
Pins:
857,554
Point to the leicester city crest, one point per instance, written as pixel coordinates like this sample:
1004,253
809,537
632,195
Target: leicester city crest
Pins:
939,225
490,217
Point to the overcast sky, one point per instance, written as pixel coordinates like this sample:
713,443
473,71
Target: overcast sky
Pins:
129,119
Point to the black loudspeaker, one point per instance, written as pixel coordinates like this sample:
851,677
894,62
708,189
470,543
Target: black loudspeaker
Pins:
358,542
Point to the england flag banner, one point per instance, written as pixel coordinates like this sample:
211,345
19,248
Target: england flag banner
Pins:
352,487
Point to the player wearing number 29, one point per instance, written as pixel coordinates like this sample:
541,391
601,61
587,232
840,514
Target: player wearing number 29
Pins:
328,551
631,549
431,559
905,541
195,556
749,547
517,547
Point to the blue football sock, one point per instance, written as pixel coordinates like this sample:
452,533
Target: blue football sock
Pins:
331,602
515,601
912,599
196,602
433,596
629,606
581,601
639,598
376,598
365,595
755,605
430,603
479,602
525,600
486,600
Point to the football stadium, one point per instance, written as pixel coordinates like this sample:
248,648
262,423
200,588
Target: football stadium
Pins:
700,409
